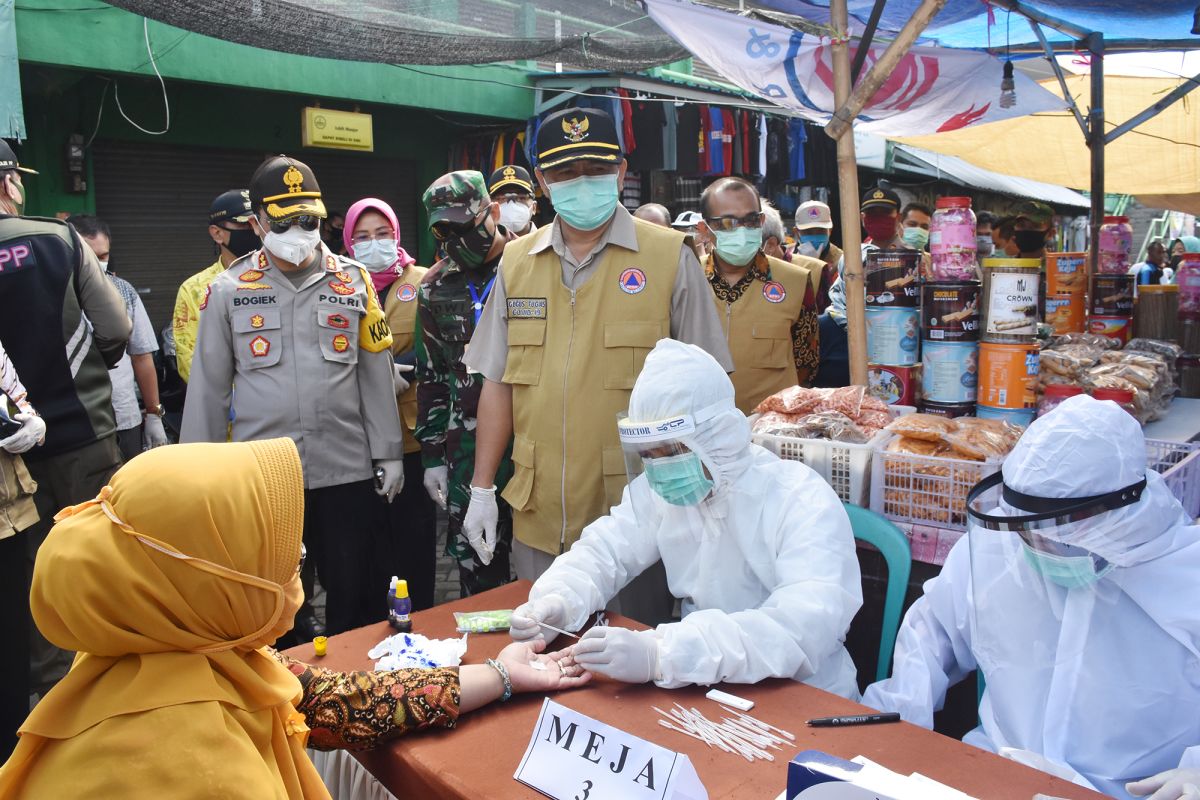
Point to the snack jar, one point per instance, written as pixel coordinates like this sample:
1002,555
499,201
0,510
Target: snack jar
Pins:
952,240
1122,397
1116,240
1053,395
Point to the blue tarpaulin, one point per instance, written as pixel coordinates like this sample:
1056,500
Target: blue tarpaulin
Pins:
964,23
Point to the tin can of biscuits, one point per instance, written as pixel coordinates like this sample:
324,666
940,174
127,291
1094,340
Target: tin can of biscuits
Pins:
894,385
893,336
950,311
1010,305
1066,273
1112,295
1007,374
1064,312
893,278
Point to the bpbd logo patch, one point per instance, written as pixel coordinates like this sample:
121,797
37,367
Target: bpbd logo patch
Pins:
774,292
633,280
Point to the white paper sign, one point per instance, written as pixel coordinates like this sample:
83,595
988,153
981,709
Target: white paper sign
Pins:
574,757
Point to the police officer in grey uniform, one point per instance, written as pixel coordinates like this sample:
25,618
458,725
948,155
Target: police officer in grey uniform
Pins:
301,333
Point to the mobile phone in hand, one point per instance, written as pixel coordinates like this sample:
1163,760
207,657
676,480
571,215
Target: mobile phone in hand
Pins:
8,425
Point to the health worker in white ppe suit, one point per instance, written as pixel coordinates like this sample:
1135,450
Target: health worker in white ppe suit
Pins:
1075,592
759,550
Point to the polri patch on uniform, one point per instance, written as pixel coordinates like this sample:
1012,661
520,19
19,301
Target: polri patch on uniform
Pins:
344,277
633,280
257,321
250,276
341,288
526,308
207,294
338,321
259,347
774,292
340,343
406,292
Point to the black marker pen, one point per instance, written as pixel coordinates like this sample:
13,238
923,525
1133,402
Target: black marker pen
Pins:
860,719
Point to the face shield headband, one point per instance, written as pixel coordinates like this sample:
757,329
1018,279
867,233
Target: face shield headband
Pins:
1046,512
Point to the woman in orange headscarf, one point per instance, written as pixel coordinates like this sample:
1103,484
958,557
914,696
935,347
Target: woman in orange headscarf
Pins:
170,585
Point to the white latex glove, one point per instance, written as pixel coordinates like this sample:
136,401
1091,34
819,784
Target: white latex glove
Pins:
400,376
153,432
393,478
33,431
1174,784
619,653
479,524
524,626
436,482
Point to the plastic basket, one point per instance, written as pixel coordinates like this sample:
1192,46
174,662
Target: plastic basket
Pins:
930,490
1179,465
845,467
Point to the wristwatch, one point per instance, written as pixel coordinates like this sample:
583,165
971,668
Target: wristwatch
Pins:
157,410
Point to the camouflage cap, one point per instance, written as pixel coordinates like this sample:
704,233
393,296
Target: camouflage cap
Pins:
1039,214
456,197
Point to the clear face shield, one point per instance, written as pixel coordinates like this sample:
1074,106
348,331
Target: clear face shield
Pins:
1034,588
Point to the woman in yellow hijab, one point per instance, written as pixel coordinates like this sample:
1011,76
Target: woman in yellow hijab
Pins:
170,585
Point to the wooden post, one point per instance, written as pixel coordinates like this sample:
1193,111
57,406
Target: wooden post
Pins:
852,273
851,106
1095,46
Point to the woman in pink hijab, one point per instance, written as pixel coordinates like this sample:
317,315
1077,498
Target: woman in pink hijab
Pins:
372,237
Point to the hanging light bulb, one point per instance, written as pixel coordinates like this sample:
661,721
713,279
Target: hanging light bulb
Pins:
1008,87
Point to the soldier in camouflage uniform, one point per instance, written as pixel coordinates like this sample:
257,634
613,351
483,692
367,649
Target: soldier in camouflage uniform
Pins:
465,222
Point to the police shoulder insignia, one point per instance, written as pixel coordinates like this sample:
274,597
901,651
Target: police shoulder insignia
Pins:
331,263
262,260
207,294
406,293
340,343
774,292
259,347
344,277
633,280
257,321
341,288
250,276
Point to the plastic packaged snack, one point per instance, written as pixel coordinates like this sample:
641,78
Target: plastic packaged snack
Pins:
482,621
928,427
918,447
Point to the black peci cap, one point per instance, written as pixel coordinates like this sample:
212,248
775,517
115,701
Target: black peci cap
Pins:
878,197
284,188
510,177
232,205
8,159
577,133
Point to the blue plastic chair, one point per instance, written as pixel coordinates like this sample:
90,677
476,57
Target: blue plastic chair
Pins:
877,531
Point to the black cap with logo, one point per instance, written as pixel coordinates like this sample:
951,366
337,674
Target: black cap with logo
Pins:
8,159
285,188
879,197
577,133
510,178
232,205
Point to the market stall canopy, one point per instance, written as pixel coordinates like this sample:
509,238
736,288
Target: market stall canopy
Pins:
975,24
915,159
1159,157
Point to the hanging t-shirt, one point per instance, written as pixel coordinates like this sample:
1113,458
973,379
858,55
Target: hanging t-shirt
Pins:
648,119
738,164
631,143
796,137
688,144
716,141
670,132
762,145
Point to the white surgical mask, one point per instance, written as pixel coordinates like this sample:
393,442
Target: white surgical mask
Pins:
293,246
377,254
515,215
104,265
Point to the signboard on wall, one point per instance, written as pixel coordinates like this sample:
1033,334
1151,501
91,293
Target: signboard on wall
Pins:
339,130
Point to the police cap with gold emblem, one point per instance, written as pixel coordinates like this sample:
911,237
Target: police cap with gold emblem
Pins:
510,178
577,133
878,197
233,205
284,188
8,160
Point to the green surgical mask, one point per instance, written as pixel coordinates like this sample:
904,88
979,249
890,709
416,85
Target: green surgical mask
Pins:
738,246
1070,572
587,202
680,480
916,238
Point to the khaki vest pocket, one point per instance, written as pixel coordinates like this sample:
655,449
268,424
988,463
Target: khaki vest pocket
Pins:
626,345
519,492
526,340
771,345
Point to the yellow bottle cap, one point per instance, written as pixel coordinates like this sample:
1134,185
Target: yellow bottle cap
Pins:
320,644
401,588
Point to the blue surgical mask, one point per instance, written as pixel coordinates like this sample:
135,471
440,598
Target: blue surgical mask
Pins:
916,238
1070,572
376,254
680,480
738,246
816,241
984,246
587,202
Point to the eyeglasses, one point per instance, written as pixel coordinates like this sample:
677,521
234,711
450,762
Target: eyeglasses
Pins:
305,221
303,555
512,197
754,220
382,233
444,231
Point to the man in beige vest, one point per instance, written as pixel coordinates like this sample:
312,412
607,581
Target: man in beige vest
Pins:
575,308
766,305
